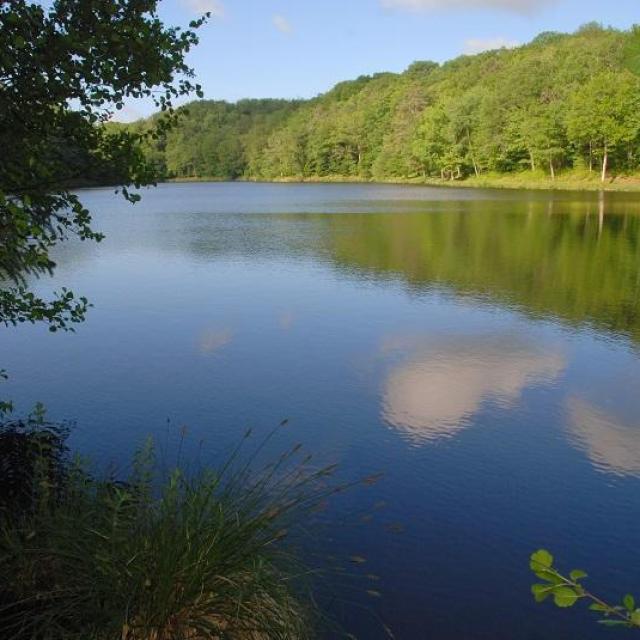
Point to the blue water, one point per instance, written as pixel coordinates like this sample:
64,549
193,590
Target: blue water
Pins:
498,393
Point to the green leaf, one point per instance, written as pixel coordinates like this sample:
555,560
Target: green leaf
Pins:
541,559
629,602
541,591
564,597
550,576
635,618
598,607
577,574
614,623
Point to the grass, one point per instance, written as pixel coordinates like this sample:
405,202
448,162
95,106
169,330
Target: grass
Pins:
574,180
156,556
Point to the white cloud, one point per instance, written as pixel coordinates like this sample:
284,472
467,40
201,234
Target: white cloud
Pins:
215,7
518,6
478,45
282,24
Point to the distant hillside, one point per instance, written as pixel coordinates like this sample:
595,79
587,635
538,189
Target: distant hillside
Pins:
560,102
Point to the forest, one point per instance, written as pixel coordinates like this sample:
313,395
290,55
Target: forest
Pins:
562,103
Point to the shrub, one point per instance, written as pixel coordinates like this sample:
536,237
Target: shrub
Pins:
158,556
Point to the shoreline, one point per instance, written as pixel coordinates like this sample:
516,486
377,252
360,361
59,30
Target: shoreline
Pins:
624,184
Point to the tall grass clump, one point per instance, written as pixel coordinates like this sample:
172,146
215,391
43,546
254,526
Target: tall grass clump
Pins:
154,556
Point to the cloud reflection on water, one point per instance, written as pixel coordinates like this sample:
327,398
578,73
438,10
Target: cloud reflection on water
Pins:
212,340
439,386
610,440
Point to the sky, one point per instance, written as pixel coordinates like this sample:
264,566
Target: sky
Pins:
300,48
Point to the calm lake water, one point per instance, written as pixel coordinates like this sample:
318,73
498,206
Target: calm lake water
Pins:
481,348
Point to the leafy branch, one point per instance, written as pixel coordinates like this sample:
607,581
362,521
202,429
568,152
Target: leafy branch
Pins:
567,590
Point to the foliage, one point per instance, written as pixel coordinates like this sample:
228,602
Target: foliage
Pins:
561,102
567,590
603,116
632,50
32,450
159,555
63,72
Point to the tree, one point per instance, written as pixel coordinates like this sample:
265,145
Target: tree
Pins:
465,119
632,50
63,73
396,157
434,142
603,114
538,129
498,111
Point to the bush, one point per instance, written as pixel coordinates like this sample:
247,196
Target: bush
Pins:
159,556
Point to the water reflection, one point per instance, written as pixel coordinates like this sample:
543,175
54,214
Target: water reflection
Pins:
545,258
223,305
212,340
437,389
610,439
542,253
286,320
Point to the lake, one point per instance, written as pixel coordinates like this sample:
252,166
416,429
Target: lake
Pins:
481,348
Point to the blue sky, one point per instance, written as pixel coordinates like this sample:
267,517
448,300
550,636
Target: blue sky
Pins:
299,48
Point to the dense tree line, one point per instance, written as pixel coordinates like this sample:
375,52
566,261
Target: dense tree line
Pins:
560,102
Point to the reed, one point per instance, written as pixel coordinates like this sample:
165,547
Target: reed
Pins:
156,555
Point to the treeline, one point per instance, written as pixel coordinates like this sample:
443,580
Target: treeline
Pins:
560,102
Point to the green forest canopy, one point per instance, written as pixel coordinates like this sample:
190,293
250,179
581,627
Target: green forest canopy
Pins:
560,102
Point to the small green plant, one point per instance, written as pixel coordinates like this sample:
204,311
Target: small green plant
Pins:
567,590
